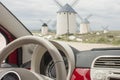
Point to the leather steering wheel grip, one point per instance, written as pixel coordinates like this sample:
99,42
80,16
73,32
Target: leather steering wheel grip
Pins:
57,58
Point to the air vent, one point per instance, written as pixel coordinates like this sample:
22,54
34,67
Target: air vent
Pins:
107,62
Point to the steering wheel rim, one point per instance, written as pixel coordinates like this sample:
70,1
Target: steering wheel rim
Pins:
57,58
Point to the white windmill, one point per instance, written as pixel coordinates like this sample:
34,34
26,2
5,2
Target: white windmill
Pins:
85,24
105,29
66,19
44,28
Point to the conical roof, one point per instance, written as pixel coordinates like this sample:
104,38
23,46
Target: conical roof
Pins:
44,25
67,8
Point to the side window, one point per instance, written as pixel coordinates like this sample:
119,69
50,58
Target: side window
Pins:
2,41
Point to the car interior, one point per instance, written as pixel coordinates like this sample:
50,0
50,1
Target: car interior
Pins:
28,57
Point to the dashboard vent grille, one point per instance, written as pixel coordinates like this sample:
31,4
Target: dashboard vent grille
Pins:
107,62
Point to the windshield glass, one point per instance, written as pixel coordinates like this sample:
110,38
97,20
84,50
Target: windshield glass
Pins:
83,24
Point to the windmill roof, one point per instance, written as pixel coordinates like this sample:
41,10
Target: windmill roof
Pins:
67,8
44,25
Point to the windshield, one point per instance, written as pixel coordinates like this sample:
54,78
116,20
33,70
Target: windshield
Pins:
91,24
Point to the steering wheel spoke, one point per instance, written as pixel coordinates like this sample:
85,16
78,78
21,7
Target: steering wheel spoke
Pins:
60,66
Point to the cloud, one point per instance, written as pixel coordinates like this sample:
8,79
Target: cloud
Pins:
105,12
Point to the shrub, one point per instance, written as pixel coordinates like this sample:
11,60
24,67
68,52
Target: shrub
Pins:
116,42
102,40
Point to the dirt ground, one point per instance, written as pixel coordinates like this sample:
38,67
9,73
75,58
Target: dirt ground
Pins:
86,46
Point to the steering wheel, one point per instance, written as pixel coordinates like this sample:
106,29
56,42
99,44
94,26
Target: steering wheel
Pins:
57,58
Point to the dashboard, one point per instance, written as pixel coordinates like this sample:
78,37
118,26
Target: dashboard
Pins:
44,59
85,58
47,66
10,75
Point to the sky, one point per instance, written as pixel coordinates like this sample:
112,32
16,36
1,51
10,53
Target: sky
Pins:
30,12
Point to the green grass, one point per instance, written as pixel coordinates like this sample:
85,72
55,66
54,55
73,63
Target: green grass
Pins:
112,37
108,38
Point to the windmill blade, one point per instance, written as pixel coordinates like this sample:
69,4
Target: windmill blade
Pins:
42,21
58,3
53,23
48,21
74,2
88,16
78,24
80,17
103,27
106,27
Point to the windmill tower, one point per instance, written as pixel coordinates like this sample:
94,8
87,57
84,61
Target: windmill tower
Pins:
66,19
44,28
105,29
85,24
